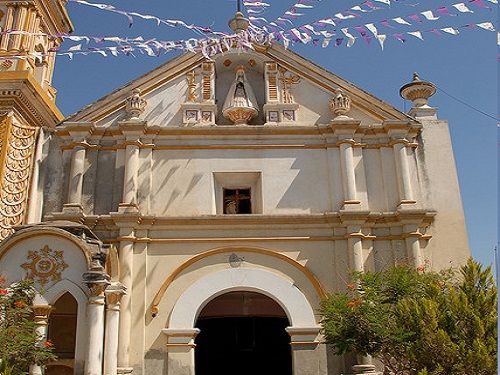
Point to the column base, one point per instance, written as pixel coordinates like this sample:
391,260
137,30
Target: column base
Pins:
128,208
124,370
365,369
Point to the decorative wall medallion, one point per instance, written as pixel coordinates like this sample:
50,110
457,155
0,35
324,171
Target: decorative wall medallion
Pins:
288,115
45,265
273,116
191,115
206,116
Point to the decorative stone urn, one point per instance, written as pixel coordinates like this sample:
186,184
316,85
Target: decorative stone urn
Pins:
340,104
418,91
135,104
241,105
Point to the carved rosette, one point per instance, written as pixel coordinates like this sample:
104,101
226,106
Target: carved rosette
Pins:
135,105
45,265
17,149
340,104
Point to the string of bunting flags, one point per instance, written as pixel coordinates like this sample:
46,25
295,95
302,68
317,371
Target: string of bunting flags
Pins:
319,32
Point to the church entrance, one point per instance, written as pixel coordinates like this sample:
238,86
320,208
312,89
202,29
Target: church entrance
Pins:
243,333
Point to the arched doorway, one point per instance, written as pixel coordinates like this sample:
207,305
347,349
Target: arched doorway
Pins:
62,333
244,333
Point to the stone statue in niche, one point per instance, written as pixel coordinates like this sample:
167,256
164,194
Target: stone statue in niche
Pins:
240,105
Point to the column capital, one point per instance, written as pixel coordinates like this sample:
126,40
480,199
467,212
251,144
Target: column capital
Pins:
132,130
114,293
181,336
302,336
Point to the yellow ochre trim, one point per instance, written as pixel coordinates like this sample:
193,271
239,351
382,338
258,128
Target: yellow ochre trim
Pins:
223,250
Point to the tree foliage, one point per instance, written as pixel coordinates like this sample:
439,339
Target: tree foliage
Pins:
20,345
416,321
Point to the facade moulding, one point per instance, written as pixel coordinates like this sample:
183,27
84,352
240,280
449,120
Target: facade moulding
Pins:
320,290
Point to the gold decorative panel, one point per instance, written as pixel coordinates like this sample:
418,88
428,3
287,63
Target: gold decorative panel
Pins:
16,151
45,265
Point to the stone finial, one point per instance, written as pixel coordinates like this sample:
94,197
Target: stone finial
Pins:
418,91
239,23
340,104
135,104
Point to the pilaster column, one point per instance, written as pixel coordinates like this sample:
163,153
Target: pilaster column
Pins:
113,294
19,21
304,342
412,241
78,133
399,133
344,128
403,172
9,19
41,319
97,282
132,130
126,256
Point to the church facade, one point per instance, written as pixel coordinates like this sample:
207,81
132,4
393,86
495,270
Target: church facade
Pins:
191,221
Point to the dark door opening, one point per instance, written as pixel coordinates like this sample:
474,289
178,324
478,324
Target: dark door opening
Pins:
243,333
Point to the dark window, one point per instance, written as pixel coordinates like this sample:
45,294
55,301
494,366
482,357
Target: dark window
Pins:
237,201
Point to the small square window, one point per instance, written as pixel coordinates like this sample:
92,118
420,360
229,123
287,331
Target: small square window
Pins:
237,201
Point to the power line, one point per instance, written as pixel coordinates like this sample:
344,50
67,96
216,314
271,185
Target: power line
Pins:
468,105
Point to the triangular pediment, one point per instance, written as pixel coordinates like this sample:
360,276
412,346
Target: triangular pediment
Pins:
191,90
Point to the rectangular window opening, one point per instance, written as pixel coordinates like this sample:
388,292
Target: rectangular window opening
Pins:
237,201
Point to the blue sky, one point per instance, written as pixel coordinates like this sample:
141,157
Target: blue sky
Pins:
464,66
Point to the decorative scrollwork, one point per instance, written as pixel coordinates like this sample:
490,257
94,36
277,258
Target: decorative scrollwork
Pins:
17,149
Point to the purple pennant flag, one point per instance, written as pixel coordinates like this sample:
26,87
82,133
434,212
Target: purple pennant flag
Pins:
353,14
479,3
399,37
315,42
415,18
436,32
444,11
339,41
371,5
387,24
470,26
367,39
361,30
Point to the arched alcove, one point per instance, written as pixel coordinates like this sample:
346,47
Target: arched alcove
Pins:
62,332
242,328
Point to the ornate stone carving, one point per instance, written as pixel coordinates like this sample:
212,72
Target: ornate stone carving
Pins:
17,148
45,265
192,96
287,80
340,104
418,91
135,104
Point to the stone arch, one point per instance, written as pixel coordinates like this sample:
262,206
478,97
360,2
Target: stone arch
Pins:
35,231
226,250
187,308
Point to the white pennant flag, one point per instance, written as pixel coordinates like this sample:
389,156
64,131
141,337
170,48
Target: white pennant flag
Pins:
78,47
461,7
303,6
327,21
350,38
493,1
340,16
372,28
381,40
416,34
450,30
429,15
388,2
486,26
326,42
359,9
401,21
